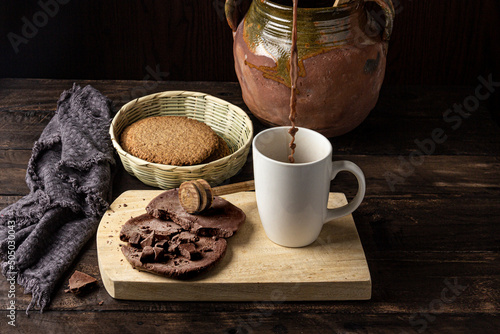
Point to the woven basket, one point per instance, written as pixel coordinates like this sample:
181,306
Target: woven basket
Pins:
227,120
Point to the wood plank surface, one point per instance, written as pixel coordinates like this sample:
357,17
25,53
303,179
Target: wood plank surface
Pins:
402,116
434,235
409,293
258,320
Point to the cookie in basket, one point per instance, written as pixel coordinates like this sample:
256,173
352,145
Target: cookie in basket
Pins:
170,140
221,151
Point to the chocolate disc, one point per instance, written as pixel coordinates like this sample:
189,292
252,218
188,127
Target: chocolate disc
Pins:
187,262
164,248
139,228
223,219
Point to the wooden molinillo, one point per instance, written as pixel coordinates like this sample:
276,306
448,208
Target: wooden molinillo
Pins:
197,196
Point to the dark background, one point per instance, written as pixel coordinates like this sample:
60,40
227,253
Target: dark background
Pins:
445,42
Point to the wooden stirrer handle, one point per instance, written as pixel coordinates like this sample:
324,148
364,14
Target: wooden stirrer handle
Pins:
233,188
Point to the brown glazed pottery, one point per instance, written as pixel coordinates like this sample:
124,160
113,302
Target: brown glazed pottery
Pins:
342,57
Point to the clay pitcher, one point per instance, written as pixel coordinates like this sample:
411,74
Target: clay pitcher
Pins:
342,58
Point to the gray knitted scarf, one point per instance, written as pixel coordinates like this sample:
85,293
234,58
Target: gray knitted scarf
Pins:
69,178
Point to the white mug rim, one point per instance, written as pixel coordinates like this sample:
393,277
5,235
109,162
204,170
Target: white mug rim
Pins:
288,164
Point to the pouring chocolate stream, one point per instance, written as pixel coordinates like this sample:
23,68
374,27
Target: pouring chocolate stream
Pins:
294,63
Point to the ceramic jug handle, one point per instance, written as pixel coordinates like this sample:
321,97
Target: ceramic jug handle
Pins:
231,14
235,11
389,13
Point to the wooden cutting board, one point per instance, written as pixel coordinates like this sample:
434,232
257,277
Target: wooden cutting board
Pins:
253,269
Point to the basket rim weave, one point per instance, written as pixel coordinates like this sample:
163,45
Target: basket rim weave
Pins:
172,168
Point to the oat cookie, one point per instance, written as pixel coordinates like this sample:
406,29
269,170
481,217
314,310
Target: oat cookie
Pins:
170,140
222,151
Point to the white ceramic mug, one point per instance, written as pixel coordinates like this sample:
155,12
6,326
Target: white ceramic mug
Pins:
292,197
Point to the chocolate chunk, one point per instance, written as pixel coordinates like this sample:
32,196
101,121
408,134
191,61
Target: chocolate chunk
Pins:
159,254
223,219
79,282
189,251
147,255
176,266
135,239
149,240
173,246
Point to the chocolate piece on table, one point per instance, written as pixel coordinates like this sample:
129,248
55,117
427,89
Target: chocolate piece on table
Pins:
223,219
78,282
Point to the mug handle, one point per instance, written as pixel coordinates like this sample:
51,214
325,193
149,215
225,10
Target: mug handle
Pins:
389,12
347,166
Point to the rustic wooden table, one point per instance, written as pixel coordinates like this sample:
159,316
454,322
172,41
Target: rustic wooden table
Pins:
429,223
